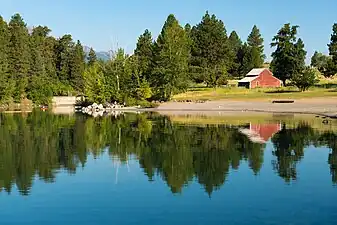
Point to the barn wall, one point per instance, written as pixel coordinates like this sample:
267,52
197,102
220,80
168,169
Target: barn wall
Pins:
266,79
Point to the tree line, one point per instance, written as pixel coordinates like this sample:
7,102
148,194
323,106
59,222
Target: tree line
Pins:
164,150
37,66
181,55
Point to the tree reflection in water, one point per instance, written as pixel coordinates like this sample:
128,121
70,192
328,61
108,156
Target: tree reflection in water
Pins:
42,144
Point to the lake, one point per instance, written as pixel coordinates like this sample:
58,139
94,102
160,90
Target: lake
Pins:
172,169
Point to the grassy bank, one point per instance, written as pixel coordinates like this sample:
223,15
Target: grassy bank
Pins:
323,89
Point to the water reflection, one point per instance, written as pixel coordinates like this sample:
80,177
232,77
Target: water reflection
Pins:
41,144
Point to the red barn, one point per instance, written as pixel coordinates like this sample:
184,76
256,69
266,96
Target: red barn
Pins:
260,78
261,133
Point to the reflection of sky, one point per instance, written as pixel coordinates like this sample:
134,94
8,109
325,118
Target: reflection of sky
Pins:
91,196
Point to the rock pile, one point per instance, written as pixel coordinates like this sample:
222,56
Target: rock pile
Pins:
99,109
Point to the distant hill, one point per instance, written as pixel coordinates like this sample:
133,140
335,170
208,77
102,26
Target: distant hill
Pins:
100,55
103,55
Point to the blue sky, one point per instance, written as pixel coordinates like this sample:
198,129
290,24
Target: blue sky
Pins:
104,24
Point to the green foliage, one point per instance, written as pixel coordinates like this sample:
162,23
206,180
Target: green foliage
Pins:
331,68
289,55
172,51
163,148
121,72
63,58
211,53
256,48
322,63
77,65
18,55
305,79
6,83
246,59
333,44
39,88
332,63
235,44
92,58
144,53
94,84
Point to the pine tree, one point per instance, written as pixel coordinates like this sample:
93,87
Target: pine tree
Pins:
64,50
255,42
211,54
39,88
333,49
77,65
235,44
289,55
300,55
92,58
6,84
144,53
50,59
18,55
171,59
246,60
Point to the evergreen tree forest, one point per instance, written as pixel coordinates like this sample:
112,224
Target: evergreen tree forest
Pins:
35,65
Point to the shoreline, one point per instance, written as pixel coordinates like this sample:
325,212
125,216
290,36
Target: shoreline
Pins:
315,106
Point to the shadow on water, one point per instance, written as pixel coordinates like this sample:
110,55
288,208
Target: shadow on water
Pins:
41,144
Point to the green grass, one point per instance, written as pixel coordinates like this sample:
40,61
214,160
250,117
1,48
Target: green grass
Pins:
323,89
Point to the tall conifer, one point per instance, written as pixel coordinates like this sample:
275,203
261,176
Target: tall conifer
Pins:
19,55
6,83
171,59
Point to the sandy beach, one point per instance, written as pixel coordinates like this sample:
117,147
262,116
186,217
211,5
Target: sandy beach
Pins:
324,106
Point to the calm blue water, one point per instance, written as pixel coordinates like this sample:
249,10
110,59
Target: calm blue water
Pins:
149,170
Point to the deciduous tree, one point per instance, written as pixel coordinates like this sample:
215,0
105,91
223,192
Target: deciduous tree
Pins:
321,61
305,79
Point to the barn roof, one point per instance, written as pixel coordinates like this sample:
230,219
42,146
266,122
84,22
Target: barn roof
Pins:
256,72
247,79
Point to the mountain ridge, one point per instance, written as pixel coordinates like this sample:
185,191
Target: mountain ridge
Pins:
102,55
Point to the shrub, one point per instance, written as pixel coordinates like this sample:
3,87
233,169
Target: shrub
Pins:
305,79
